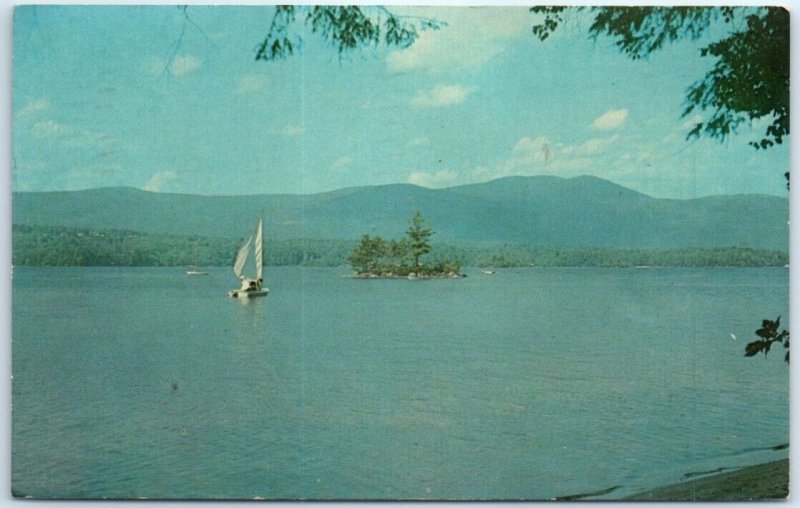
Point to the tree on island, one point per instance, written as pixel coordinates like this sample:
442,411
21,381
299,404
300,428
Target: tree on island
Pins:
396,252
375,257
418,236
367,255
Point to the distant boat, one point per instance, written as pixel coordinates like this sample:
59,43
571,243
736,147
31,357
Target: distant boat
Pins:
251,288
487,272
193,271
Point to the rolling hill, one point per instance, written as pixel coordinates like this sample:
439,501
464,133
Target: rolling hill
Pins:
542,210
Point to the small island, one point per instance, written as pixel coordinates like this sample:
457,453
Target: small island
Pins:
375,257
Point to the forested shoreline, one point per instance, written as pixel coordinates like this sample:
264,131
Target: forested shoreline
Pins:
59,246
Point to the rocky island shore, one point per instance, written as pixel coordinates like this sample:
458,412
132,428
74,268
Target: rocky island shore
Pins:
411,276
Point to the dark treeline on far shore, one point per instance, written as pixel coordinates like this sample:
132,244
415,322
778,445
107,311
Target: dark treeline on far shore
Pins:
58,246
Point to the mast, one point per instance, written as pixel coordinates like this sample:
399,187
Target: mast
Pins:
259,248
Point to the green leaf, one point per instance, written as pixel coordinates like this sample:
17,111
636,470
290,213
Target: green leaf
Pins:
753,348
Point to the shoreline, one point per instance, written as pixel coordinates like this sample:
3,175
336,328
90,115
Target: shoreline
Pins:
767,481
411,276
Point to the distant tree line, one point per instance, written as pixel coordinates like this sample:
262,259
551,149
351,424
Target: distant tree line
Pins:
503,256
59,246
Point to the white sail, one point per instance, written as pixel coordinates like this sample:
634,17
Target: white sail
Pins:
241,257
259,249
251,288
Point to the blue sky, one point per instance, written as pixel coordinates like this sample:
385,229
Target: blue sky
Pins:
144,97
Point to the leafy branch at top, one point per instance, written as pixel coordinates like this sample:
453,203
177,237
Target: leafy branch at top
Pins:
750,76
345,27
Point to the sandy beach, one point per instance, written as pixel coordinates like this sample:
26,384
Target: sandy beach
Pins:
759,482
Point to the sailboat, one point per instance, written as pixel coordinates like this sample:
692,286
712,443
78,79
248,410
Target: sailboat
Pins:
251,287
193,271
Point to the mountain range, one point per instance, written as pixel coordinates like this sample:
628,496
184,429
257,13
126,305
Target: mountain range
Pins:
537,210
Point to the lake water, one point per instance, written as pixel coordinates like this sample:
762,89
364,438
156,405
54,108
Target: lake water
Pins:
527,384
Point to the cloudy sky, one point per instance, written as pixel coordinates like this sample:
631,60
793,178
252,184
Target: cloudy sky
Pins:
172,101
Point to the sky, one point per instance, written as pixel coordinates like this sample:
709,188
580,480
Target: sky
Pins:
168,100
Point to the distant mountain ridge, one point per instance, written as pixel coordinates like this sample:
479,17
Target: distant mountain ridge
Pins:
537,210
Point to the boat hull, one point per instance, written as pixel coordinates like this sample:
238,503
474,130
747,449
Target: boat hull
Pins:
239,293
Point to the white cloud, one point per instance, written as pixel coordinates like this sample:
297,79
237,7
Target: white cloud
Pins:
675,135
292,130
471,39
441,95
610,120
596,145
49,128
437,179
412,57
342,162
178,66
102,170
531,151
159,180
691,122
182,65
650,164
33,108
540,155
153,66
527,144
252,83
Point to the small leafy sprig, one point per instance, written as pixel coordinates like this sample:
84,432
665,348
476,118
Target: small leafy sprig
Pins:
768,335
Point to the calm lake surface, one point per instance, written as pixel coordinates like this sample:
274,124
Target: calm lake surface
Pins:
527,384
